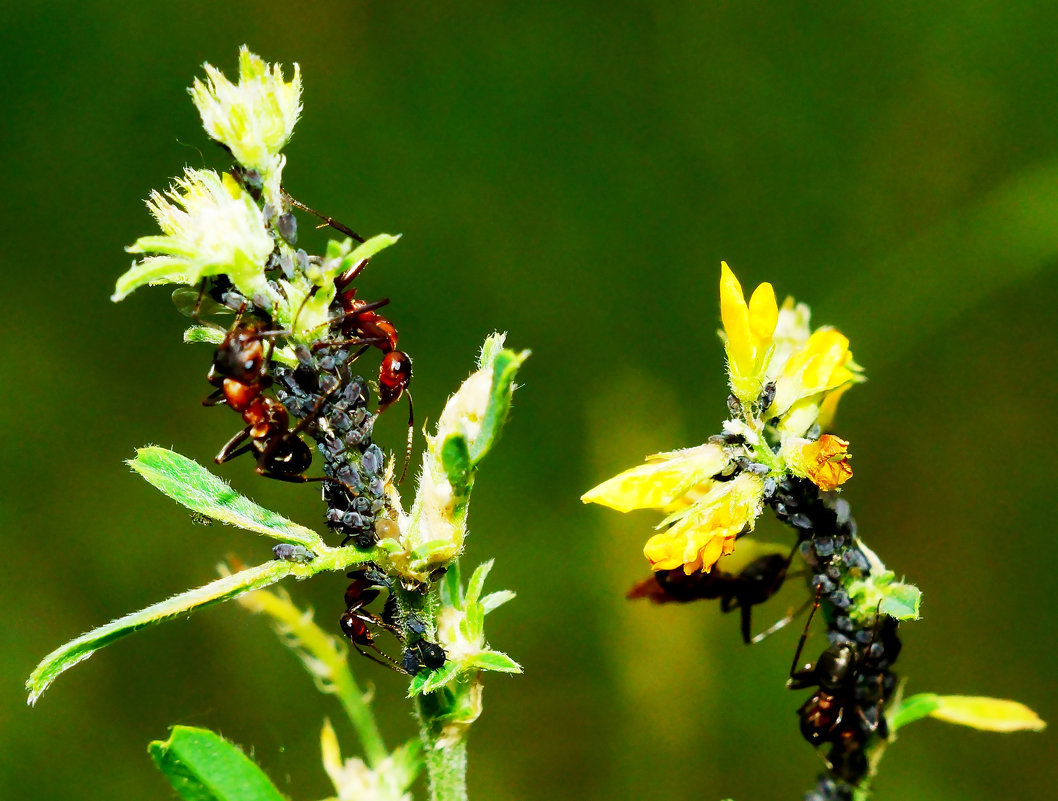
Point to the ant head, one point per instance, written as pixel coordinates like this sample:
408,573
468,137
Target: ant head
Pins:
393,377
355,629
241,354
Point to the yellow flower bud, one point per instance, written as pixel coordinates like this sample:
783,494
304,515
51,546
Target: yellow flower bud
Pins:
748,332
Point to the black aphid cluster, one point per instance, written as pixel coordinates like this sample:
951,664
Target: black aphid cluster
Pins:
323,389
864,684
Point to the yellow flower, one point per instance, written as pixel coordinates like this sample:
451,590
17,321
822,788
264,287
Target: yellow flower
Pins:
749,329
825,461
700,535
824,364
662,482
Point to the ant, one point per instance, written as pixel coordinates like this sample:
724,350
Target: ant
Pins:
356,623
833,714
753,585
240,371
363,326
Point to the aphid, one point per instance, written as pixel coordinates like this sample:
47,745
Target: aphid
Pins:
288,552
753,585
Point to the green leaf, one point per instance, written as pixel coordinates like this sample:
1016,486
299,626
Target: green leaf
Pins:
223,589
495,599
977,712
365,250
451,590
902,602
987,714
880,591
477,582
428,682
203,334
203,766
505,365
455,459
190,484
495,660
474,622
910,709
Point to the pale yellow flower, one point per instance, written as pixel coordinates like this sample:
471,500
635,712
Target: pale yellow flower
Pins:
662,482
253,118
210,226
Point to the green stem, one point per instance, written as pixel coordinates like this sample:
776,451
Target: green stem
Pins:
298,627
446,756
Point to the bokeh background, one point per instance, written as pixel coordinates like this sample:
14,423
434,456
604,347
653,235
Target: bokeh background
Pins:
572,173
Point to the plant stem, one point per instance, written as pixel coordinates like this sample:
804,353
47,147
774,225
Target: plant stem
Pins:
446,758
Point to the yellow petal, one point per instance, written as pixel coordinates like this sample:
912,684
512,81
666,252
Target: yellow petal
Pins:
829,407
661,482
735,315
987,714
763,313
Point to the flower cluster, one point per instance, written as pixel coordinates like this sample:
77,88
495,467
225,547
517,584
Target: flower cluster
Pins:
786,381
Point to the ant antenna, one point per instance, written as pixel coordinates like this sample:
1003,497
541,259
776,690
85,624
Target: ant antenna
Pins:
411,437
345,229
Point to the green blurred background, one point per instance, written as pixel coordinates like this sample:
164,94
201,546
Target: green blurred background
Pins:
572,173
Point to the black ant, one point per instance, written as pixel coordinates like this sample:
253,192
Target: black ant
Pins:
833,714
753,585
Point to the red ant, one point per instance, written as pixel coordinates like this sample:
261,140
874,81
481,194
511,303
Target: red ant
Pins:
363,326
240,373
356,622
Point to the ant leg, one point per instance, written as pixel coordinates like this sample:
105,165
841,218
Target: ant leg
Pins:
366,343
798,678
231,448
389,663
215,398
781,623
345,229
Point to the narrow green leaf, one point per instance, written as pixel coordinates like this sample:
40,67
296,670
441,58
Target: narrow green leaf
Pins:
505,365
365,250
190,484
203,766
440,677
495,660
912,708
452,586
203,334
215,592
477,582
987,714
455,459
474,617
495,599
429,681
